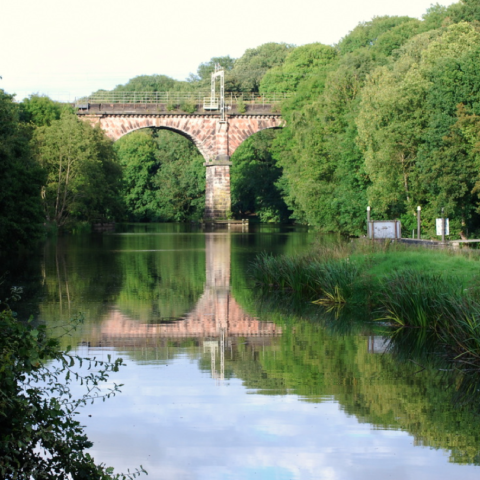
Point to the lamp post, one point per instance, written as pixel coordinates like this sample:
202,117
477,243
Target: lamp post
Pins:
419,209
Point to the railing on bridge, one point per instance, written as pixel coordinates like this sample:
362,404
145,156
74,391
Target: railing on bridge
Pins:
179,98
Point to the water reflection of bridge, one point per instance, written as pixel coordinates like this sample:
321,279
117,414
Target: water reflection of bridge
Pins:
216,316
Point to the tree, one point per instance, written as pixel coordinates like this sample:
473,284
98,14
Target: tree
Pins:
40,437
465,11
249,69
83,178
323,177
300,64
164,177
150,83
180,179
204,70
435,16
136,155
254,176
369,34
21,180
405,126
40,110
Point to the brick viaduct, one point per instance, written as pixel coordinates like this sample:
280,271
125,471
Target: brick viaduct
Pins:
216,140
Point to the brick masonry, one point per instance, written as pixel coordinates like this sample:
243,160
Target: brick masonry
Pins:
217,191
216,141
215,310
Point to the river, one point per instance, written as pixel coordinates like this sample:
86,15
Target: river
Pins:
217,386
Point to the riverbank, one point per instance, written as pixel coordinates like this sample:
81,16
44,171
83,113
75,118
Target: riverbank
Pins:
401,286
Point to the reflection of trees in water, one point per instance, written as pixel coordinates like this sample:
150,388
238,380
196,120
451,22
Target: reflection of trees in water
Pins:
173,301
90,274
163,276
77,277
316,365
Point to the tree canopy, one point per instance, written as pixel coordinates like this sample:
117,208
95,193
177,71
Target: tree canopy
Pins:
83,178
21,180
163,176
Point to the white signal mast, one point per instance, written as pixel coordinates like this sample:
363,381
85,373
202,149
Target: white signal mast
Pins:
219,72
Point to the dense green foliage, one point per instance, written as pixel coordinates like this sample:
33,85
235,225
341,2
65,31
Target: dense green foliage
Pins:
41,438
254,176
391,121
163,176
150,83
203,76
40,110
415,148
83,178
54,169
249,69
21,179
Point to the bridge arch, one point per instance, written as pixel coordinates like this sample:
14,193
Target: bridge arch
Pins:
196,129
184,134
242,127
216,139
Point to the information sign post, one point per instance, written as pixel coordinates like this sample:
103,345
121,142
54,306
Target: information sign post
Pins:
443,227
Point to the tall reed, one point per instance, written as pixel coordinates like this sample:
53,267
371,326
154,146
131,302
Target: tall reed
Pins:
335,280
460,332
440,304
282,272
418,299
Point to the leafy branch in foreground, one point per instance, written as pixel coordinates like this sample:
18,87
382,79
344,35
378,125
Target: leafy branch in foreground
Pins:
40,437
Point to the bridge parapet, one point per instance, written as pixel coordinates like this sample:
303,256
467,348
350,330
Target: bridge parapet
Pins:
174,103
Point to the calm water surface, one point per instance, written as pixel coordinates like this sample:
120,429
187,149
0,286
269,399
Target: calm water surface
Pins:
214,388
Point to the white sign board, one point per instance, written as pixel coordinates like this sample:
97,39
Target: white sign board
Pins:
440,226
385,229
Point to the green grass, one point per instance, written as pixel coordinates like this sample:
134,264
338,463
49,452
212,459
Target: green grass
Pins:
465,267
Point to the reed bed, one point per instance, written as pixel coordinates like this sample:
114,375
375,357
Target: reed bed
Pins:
416,299
408,297
305,275
292,274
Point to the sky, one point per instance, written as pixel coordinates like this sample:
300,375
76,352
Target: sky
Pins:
70,48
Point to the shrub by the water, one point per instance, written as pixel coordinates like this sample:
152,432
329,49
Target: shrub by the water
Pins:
40,437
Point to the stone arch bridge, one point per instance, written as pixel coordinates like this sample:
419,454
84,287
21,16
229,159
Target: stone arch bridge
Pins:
217,138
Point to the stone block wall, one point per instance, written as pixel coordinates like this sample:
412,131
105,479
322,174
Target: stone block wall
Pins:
218,202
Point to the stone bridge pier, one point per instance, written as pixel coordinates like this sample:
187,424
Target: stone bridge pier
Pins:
216,140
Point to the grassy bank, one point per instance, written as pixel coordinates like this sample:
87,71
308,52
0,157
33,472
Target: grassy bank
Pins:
399,285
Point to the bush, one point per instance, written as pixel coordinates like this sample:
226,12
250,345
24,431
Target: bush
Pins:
40,438
188,106
242,108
